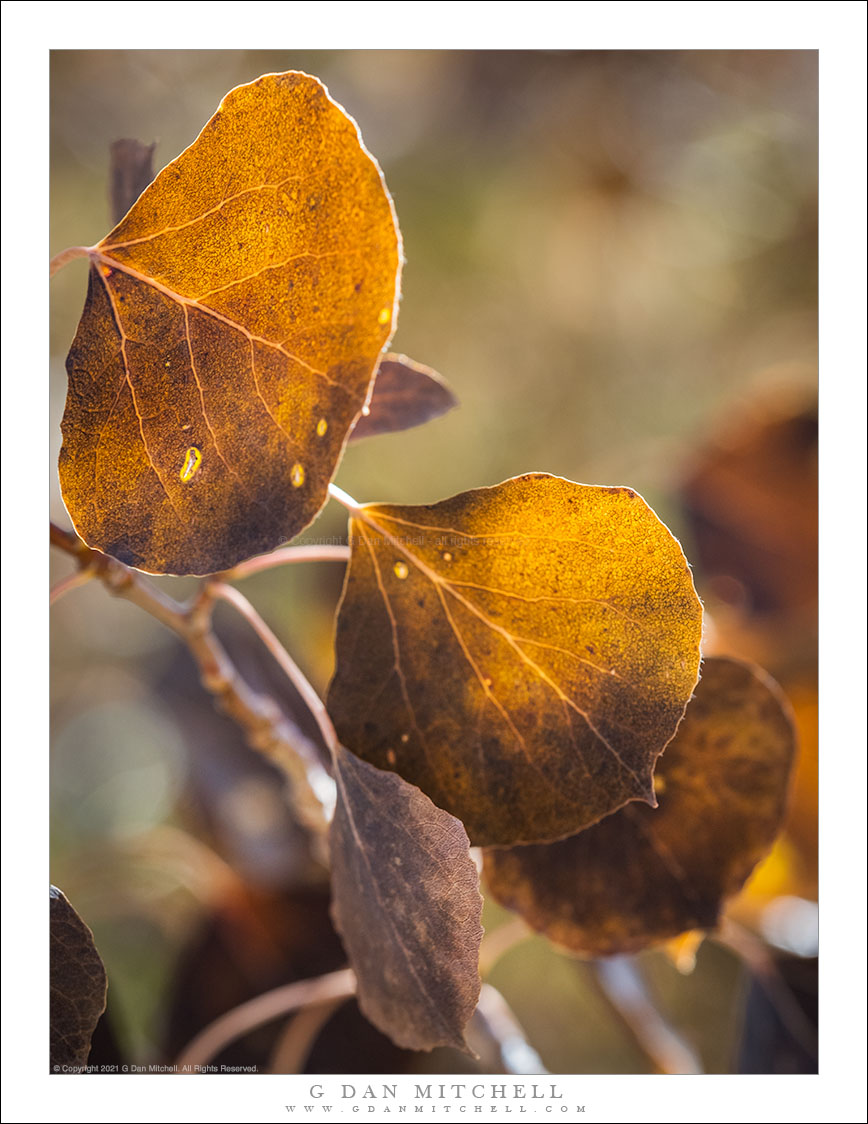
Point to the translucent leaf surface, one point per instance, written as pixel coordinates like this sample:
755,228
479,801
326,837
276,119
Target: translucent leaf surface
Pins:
522,653
233,323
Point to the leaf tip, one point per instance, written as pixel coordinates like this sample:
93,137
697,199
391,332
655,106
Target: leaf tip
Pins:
467,1049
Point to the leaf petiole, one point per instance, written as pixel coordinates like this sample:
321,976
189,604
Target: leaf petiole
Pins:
73,581
293,672
343,498
285,556
66,256
270,1005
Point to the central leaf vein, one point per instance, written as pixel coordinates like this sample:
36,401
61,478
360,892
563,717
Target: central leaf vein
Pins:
126,363
439,581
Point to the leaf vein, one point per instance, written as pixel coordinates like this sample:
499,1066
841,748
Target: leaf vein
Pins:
559,599
127,376
384,909
494,534
395,645
274,265
512,641
202,402
204,215
437,580
172,295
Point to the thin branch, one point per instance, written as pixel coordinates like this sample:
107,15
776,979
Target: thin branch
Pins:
72,581
760,962
65,257
123,582
503,1028
263,1009
285,556
131,170
293,672
296,1042
343,498
265,726
499,941
620,984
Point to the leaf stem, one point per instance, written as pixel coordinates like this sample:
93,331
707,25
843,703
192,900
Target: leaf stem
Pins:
66,256
293,672
302,1030
285,556
343,498
72,581
267,729
619,982
504,1029
759,961
131,170
497,942
264,1008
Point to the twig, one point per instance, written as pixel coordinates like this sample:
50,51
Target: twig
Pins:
294,1045
195,865
263,1009
165,850
343,498
618,982
759,961
285,661
130,172
285,556
503,1028
72,581
265,726
65,257
499,941
122,581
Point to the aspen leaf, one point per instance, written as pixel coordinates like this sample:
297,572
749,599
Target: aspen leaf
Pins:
642,876
233,323
406,902
522,653
78,984
751,501
405,394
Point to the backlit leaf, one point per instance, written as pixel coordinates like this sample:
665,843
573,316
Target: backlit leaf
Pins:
522,653
642,876
405,394
406,902
78,985
233,322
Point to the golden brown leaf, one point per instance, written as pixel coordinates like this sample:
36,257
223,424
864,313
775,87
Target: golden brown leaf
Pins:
406,902
405,394
522,653
234,320
643,876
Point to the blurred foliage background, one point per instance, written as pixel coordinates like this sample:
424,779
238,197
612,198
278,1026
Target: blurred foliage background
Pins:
612,257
